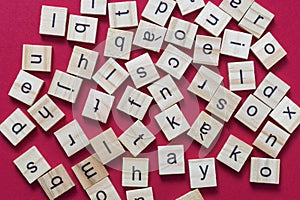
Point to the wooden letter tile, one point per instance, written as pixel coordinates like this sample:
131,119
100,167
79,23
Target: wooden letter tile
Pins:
236,9
93,7
140,194
171,159
135,172
265,170
194,195
122,14
187,7
103,189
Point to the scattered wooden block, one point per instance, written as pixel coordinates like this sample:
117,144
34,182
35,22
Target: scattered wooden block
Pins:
103,189
252,113
93,7
136,138
265,170
122,14
234,153
26,87
36,58
194,195
53,21
205,83
181,33
32,164
171,159
158,11
140,194
90,171
213,19
271,139
98,106
202,173
45,112
174,61
71,138
187,7
172,122
82,29
107,146
223,103
256,20
135,172
56,182
268,50
65,86
236,9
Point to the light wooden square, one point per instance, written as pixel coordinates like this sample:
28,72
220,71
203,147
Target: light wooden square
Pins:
194,195
45,112
134,103
265,170
65,86
236,9
26,87
98,106
172,122
268,50
110,76
202,173
171,160
181,32
56,182
213,19
122,14
93,7
103,188
107,146
234,153
36,58
207,50
32,164
205,83
271,139
53,20
135,172
174,61
187,7
71,138
140,194
136,138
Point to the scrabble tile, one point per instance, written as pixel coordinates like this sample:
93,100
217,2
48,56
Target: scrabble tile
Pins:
118,44
271,90
135,172
165,92
287,114
103,189
187,7
149,36
82,62
134,103
205,129
265,170
202,173
36,58
207,50
65,86
256,20
107,146
268,50
252,113
171,159
174,61
45,112
90,171
236,44
194,194
223,103
205,83
26,87
181,33
53,20
82,29
140,194
234,153
93,7
16,127
158,11
110,76
213,19
98,106
172,122
271,139
71,138
122,14
32,164
136,138
241,76
236,9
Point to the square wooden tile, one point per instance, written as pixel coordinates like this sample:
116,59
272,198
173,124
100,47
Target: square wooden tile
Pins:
171,159
265,170
194,194
236,9
122,14
142,194
103,189
92,7
135,172
187,7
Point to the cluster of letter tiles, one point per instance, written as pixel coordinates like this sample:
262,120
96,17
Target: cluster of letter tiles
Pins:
268,99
